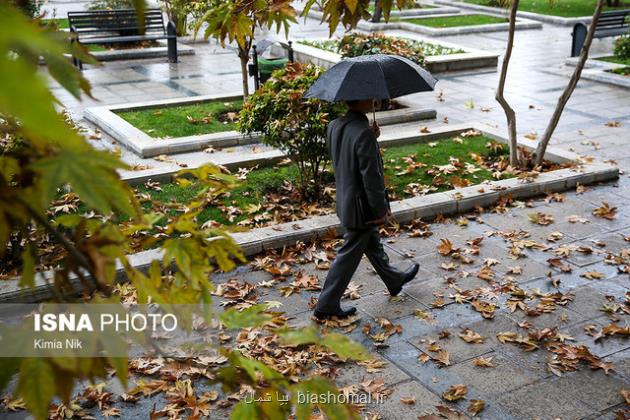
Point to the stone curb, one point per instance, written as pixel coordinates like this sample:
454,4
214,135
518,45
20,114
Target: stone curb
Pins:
428,206
599,71
470,59
555,20
461,30
316,13
138,53
142,144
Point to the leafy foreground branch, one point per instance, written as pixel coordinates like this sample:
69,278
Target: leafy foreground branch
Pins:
41,156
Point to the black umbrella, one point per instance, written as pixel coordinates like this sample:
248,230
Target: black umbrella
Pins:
377,76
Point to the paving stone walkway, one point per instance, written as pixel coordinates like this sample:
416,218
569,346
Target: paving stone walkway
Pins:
520,386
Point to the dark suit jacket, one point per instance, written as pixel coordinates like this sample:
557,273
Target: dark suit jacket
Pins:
359,176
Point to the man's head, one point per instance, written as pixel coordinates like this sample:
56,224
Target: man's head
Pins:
362,105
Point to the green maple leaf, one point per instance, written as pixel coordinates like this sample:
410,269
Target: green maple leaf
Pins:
91,174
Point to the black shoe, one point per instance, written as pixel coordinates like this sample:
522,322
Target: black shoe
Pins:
342,313
410,274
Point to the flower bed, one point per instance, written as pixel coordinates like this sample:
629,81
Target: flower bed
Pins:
435,56
269,194
185,120
456,20
356,44
153,128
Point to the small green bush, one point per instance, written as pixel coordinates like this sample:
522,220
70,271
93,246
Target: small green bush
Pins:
111,4
295,125
622,47
30,8
355,45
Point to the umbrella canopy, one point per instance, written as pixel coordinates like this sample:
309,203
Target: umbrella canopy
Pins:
377,76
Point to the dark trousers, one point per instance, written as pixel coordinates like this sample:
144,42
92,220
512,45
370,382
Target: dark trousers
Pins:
357,242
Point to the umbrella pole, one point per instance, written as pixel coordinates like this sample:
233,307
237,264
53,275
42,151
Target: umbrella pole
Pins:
373,113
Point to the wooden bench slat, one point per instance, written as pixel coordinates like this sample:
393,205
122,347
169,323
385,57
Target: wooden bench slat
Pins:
122,39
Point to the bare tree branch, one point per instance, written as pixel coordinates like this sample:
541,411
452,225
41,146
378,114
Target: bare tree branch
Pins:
566,95
509,112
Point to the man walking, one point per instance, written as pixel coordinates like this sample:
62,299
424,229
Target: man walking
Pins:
362,206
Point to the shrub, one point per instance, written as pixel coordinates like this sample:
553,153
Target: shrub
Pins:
622,47
31,8
354,45
295,125
111,4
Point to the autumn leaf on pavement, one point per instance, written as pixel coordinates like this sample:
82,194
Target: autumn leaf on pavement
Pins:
517,270
372,365
450,413
455,393
485,273
475,407
574,218
408,400
540,218
486,309
470,336
626,395
424,315
605,211
559,264
376,388
592,275
485,362
442,358
446,247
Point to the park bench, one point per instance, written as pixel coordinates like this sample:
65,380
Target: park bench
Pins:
611,23
121,26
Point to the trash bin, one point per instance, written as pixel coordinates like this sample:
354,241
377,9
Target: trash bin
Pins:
266,66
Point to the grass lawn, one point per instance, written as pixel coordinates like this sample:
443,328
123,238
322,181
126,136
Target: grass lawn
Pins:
62,23
408,169
187,120
453,21
616,60
562,8
623,71
413,6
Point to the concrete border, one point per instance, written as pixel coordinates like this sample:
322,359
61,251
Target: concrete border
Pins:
451,202
554,20
470,59
435,9
142,144
139,53
521,24
600,71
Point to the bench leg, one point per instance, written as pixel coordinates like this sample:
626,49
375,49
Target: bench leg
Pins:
171,31
579,37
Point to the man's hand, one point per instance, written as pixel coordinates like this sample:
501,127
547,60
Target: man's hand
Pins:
376,129
381,221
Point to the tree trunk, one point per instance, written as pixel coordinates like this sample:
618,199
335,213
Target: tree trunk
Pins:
244,56
564,98
378,12
509,112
